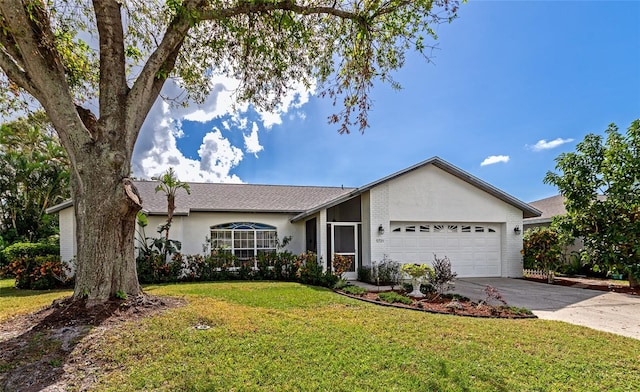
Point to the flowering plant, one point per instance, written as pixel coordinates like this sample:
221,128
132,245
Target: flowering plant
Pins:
416,271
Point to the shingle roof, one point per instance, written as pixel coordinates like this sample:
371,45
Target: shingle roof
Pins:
550,207
301,200
233,197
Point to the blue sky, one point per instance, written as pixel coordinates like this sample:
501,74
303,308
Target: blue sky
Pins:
506,75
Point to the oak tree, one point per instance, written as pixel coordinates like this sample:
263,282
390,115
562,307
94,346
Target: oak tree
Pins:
97,68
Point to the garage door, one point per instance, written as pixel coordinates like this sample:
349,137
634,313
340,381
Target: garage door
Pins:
473,248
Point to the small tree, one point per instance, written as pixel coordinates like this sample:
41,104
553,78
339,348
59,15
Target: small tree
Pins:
169,184
542,250
601,185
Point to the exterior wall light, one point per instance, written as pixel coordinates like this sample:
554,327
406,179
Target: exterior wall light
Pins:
380,230
516,230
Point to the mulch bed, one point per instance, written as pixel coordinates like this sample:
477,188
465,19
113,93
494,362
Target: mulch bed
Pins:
444,305
590,284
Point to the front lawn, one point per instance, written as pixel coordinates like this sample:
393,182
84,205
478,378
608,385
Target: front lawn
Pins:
289,337
266,336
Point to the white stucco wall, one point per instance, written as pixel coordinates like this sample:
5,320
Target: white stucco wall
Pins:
367,228
429,194
192,230
379,212
67,224
322,235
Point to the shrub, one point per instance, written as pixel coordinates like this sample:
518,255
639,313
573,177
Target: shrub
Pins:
425,288
354,290
492,294
341,264
35,266
364,274
386,273
39,272
340,284
574,265
310,271
392,296
441,276
416,271
152,267
277,266
28,250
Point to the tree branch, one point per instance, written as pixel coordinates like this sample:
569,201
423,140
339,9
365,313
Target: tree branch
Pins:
42,73
113,83
16,74
157,69
260,6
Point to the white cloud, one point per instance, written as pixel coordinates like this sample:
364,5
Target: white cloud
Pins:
156,149
490,160
251,142
295,98
547,145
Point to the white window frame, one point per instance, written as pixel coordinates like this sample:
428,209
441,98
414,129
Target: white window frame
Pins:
244,240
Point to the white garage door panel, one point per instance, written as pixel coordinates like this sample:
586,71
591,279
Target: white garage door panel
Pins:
473,248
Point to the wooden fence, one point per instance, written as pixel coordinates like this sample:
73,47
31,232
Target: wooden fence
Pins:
532,273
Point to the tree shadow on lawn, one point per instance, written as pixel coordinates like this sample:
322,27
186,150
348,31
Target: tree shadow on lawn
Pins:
38,349
12,292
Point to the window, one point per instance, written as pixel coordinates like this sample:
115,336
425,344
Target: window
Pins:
452,228
410,229
424,228
466,229
243,239
438,228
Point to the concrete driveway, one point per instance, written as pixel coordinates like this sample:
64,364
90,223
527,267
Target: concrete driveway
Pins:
605,311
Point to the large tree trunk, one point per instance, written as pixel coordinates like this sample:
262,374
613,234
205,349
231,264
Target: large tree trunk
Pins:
105,228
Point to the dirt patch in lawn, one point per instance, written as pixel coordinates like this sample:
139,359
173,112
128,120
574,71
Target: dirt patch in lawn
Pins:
591,284
50,350
449,304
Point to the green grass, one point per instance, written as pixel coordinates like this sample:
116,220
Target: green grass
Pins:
14,301
290,337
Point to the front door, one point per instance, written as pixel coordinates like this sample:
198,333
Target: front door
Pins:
345,243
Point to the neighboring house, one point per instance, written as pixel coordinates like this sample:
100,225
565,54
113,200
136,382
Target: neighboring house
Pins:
551,207
430,208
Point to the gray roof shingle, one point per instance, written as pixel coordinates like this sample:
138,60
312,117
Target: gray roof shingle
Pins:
550,207
238,197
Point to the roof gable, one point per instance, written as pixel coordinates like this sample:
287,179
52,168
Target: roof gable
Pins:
528,211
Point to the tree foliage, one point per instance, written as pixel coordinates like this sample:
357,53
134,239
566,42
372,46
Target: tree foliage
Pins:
34,175
601,184
542,250
98,67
